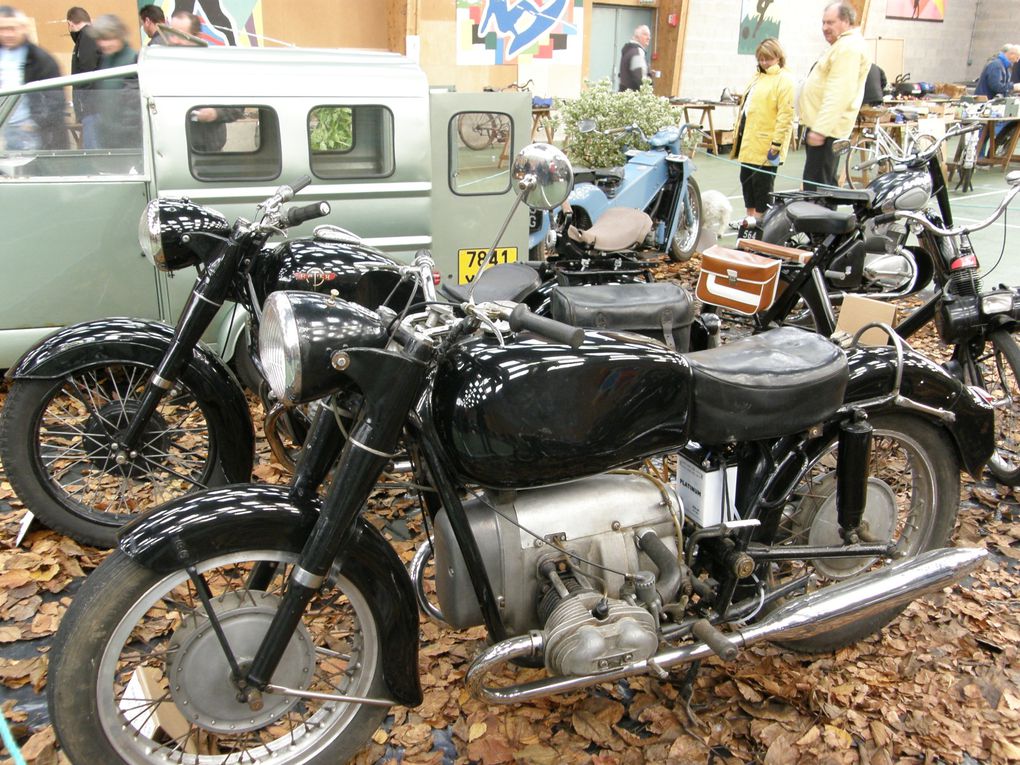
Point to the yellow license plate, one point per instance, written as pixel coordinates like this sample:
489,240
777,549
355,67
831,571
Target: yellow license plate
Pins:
470,261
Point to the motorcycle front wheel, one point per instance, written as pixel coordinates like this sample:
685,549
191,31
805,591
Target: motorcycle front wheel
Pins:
996,369
137,674
59,449
913,495
685,241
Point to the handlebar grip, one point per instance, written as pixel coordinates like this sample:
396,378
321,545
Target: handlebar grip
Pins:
300,183
522,318
884,218
295,216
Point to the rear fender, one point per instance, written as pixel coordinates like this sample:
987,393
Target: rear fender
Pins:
235,518
972,429
123,340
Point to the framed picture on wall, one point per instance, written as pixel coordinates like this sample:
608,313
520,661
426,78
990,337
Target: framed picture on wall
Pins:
917,10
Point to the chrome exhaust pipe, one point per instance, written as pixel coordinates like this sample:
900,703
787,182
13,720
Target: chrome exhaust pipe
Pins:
809,615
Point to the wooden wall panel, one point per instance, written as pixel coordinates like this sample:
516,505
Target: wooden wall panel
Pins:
329,23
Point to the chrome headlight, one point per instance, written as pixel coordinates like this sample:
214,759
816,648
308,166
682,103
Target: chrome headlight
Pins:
149,238
279,348
996,302
300,339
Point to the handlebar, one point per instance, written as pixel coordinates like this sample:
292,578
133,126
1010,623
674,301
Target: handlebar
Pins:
959,230
522,318
295,216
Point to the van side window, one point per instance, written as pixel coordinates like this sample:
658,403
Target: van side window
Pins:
99,135
480,152
351,141
233,143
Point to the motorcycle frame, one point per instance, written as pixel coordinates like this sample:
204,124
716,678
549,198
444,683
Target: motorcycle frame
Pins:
392,386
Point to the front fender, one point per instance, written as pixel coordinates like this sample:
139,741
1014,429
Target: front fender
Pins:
243,517
872,375
125,340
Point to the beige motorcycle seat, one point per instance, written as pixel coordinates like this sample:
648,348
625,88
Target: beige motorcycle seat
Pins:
618,228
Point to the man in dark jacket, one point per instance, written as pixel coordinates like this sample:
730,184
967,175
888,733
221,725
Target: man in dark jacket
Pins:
84,58
874,86
633,64
995,79
151,16
38,120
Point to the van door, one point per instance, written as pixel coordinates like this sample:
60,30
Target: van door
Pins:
70,207
474,139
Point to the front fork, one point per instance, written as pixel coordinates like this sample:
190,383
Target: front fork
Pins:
396,382
205,300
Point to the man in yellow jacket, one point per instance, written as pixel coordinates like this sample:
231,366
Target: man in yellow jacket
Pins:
832,94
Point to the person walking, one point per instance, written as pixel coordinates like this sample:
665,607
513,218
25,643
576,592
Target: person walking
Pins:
764,126
117,98
832,94
150,17
84,58
633,61
38,120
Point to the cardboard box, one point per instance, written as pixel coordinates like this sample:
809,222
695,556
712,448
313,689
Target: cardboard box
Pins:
858,311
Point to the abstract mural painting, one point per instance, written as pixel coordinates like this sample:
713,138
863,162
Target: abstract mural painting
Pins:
918,10
756,25
499,31
224,22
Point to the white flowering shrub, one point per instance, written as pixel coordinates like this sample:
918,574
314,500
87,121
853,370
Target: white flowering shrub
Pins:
610,109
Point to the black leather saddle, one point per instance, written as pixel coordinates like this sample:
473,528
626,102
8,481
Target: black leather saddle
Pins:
768,385
506,281
809,218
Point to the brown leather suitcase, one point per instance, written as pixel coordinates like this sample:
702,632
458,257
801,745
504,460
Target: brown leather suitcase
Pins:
743,282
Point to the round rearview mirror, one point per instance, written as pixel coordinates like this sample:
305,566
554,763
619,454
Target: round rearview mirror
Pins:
587,126
544,175
841,147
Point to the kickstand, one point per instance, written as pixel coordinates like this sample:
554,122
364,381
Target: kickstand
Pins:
686,691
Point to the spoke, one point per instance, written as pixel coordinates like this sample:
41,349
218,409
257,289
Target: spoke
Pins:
167,469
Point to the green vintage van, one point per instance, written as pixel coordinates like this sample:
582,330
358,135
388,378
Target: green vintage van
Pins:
403,165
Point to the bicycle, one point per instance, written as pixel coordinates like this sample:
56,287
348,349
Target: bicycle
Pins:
480,130
876,150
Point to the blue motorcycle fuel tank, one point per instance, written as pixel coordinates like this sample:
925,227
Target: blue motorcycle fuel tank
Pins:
532,412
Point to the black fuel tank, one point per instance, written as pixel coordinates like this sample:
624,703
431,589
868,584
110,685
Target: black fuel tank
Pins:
902,190
533,413
357,273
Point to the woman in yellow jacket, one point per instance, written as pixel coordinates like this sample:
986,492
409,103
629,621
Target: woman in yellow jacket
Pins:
764,126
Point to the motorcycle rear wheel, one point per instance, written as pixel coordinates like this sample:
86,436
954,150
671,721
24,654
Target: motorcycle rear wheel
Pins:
685,242
130,630
913,496
57,446
998,373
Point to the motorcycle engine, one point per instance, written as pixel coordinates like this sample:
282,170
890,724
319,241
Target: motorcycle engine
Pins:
596,606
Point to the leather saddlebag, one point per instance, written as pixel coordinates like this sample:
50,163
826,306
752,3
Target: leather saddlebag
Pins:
744,282
659,310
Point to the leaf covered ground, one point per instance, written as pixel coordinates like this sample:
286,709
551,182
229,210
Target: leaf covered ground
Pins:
941,684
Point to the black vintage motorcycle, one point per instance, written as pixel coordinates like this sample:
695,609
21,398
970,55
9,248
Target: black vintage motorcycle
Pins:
883,264
257,623
110,417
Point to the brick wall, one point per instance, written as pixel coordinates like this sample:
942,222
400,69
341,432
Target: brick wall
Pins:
995,24
936,52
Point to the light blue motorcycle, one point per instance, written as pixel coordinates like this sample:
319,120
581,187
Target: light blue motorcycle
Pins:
657,181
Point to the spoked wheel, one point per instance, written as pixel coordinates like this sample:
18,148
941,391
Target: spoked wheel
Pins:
60,447
996,369
478,130
685,242
138,674
912,498
864,151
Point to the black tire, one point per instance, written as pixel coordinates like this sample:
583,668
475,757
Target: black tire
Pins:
685,241
996,370
477,130
914,471
57,449
863,151
126,617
